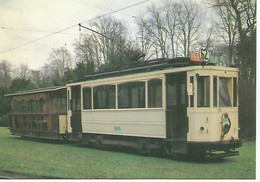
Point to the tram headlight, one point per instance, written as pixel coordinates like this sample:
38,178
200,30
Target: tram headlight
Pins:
226,123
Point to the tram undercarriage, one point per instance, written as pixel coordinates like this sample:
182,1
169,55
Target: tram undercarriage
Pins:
178,148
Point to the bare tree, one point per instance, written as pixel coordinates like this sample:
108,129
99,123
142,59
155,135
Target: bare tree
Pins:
60,61
116,31
154,25
47,75
86,51
106,43
23,71
243,13
172,28
36,78
5,73
227,28
190,19
171,16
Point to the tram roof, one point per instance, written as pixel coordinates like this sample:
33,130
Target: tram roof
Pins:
40,90
136,67
145,66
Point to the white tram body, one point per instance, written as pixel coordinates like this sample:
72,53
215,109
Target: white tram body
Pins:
151,122
187,106
139,122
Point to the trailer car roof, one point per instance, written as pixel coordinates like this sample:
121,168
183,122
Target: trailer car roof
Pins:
40,90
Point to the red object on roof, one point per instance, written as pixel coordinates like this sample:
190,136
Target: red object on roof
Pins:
195,57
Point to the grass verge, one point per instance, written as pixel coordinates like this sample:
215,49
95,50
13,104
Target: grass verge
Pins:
45,159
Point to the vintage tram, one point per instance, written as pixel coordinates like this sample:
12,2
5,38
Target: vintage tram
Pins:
175,105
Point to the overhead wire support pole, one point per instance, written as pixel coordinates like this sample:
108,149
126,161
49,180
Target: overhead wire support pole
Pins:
96,32
102,35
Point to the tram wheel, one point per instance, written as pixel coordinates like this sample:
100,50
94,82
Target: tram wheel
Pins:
142,147
98,142
65,139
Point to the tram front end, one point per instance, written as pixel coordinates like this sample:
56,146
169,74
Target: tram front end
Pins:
213,128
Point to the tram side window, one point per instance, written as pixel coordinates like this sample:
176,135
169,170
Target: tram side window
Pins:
131,95
203,91
155,93
224,92
87,98
104,97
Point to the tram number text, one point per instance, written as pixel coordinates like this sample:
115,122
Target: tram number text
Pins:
117,128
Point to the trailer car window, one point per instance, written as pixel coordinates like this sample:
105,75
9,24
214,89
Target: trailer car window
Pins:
35,106
203,91
15,107
24,107
54,105
155,93
43,106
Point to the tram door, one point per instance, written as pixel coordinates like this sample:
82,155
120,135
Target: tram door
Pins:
176,106
75,106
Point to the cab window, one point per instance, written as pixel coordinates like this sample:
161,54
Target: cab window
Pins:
203,91
224,92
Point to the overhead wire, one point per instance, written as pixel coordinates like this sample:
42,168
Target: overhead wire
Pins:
56,32
32,30
104,9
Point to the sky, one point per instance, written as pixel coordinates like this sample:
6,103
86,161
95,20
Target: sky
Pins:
27,26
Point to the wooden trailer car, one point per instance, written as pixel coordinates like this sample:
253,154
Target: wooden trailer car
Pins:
39,113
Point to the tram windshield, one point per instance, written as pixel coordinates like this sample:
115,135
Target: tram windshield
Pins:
203,91
224,92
